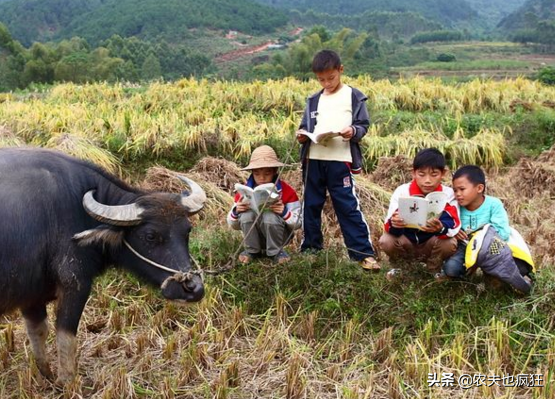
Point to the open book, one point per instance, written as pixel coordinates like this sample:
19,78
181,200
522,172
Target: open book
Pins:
260,197
415,211
320,138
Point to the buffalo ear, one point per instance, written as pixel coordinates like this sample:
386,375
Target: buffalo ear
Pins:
102,235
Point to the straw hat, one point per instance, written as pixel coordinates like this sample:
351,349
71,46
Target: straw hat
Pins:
263,157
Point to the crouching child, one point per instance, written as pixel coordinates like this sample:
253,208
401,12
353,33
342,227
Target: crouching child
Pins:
434,242
267,232
486,240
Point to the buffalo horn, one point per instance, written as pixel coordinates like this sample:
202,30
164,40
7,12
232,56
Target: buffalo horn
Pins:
118,215
194,202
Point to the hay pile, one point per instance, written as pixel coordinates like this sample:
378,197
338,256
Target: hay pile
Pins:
531,177
159,178
391,172
219,201
223,173
528,193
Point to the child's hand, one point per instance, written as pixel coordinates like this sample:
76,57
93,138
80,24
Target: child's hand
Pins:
397,221
432,226
301,138
242,207
277,207
347,133
461,236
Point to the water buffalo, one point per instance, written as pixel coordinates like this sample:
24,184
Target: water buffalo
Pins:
63,222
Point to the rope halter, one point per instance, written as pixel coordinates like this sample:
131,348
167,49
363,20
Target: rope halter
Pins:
177,276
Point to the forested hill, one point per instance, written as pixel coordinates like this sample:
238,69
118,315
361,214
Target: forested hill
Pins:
529,15
446,12
40,20
491,12
386,24
95,20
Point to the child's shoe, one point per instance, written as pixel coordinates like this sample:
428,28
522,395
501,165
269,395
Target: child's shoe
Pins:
370,264
245,257
281,257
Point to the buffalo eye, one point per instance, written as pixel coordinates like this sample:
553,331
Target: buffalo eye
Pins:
151,237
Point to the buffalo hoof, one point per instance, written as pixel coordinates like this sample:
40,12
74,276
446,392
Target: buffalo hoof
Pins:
64,379
45,371
62,382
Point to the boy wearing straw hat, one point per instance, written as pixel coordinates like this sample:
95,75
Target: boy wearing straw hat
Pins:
330,165
268,232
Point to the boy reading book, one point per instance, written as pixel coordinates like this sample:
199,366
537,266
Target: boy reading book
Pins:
494,246
337,107
267,232
433,242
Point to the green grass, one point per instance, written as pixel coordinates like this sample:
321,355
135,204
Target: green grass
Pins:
339,290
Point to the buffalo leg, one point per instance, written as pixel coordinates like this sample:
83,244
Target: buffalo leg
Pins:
67,356
70,308
37,330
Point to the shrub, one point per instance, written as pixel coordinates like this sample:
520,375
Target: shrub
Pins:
547,75
446,57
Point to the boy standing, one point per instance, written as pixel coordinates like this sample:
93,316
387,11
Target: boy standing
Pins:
329,166
267,233
477,211
434,242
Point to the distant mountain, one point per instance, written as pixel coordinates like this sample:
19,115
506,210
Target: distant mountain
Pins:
446,12
96,20
528,15
493,11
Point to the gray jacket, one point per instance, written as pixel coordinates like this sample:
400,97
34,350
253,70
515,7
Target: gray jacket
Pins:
489,252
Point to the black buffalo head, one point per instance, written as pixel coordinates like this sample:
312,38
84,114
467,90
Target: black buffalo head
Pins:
150,237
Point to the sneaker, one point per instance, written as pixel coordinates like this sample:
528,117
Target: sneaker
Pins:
281,257
370,264
245,257
393,274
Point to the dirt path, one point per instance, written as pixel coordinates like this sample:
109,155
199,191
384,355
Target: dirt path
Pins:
246,50
233,55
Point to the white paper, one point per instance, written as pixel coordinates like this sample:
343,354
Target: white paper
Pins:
320,138
260,197
415,211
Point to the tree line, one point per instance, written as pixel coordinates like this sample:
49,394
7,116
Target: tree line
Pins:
97,20
74,60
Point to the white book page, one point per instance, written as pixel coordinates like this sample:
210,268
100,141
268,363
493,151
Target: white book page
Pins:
414,211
